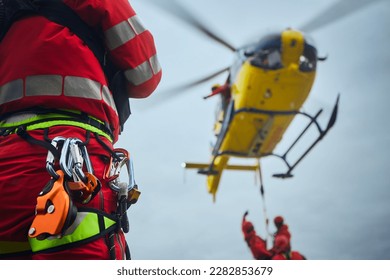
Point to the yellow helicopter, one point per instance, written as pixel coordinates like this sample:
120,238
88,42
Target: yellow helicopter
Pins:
263,94
265,89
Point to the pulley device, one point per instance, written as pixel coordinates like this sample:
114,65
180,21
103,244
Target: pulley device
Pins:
55,210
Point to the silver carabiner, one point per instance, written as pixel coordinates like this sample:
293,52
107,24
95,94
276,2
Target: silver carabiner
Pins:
66,161
130,170
73,156
50,157
77,157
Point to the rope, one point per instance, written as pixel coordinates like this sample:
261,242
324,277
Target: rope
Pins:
266,220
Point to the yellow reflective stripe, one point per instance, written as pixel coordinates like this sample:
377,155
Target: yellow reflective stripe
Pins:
88,226
23,118
85,126
123,32
9,247
55,85
42,124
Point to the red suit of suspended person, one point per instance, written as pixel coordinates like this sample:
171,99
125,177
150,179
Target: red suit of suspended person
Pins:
282,251
256,244
282,230
45,67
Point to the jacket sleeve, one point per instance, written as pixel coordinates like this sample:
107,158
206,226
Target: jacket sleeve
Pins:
130,45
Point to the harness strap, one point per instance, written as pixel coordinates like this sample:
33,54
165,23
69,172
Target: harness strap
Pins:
42,120
21,131
90,224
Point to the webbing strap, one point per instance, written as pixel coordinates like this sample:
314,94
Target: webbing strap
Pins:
87,226
47,123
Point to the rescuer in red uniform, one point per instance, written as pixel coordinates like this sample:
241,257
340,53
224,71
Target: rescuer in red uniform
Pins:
282,230
52,84
256,244
281,249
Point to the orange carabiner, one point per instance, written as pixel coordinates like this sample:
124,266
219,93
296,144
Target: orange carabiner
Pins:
84,192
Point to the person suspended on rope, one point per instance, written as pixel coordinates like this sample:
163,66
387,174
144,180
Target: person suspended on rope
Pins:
256,244
67,71
282,251
282,229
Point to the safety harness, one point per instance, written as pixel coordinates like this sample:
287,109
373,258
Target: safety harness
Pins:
42,118
60,13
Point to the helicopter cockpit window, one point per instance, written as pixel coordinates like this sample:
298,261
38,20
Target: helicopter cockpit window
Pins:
308,60
268,59
266,54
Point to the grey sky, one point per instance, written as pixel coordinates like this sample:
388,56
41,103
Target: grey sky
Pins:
337,203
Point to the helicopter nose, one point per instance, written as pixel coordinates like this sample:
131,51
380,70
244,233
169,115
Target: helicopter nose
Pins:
292,46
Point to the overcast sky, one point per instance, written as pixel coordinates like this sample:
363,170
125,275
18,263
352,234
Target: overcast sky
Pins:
336,205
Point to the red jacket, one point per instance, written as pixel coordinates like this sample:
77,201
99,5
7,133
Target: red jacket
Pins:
255,243
258,248
283,231
35,68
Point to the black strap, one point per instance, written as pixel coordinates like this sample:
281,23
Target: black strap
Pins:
12,10
58,12
22,132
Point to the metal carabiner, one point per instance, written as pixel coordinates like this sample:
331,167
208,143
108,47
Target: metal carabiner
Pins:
50,159
77,160
73,156
130,170
122,158
65,160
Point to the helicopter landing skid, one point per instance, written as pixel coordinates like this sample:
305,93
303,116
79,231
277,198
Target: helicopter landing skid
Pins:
322,133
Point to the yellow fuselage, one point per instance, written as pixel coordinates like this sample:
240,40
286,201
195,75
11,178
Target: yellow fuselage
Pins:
263,102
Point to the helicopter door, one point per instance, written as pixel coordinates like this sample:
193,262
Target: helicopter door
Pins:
261,135
228,116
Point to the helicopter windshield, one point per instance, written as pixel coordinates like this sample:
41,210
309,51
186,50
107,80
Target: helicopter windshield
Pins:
267,54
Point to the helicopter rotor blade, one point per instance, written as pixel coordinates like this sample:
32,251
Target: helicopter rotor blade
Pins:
338,10
166,94
174,8
202,80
